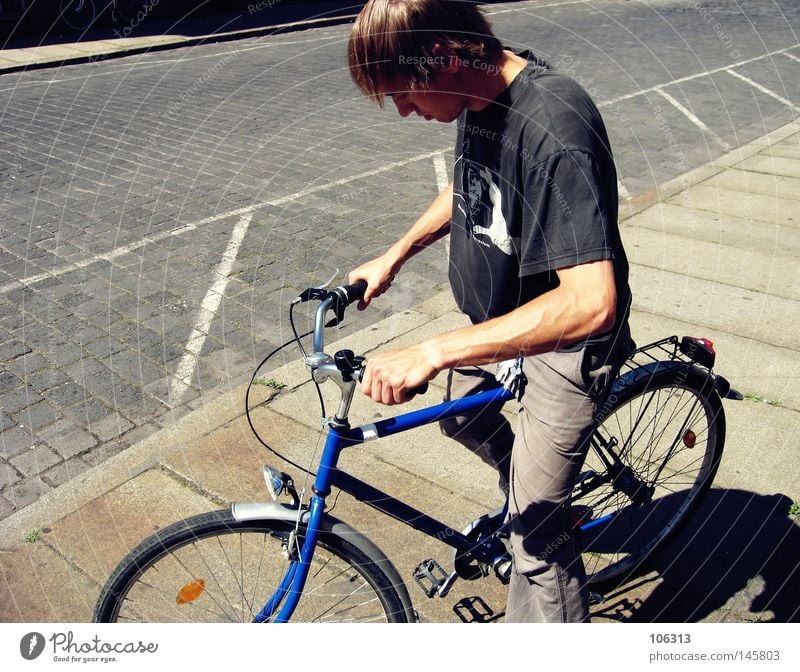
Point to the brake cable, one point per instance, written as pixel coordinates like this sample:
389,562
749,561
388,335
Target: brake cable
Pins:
296,339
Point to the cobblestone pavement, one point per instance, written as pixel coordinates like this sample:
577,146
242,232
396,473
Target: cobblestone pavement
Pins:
160,210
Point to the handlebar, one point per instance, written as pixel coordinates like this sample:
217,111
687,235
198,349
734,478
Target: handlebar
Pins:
337,300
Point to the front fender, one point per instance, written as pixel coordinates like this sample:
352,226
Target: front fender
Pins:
331,525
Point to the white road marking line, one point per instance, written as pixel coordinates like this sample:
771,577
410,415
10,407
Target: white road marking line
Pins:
182,378
623,190
688,78
694,119
440,167
792,56
764,89
120,251
83,263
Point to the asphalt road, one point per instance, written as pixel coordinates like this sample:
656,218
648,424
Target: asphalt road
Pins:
160,210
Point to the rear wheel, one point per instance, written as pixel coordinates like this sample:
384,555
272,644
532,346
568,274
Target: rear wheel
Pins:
667,428
213,568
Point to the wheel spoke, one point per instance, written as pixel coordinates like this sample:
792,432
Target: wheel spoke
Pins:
237,566
648,425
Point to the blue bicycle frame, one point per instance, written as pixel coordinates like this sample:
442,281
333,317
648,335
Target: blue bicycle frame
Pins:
283,602
288,593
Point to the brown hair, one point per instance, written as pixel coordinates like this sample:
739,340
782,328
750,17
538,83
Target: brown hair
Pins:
392,42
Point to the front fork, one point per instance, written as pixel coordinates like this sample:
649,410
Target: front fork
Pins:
288,592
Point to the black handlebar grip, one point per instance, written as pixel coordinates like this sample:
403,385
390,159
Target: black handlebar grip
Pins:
352,293
343,296
422,389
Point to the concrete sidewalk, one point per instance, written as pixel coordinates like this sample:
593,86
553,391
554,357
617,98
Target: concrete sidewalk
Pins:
713,253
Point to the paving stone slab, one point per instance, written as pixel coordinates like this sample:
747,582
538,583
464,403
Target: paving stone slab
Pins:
8,475
65,471
768,273
98,535
740,311
760,450
717,227
38,586
773,164
751,366
758,207
15,440
34,462
26,491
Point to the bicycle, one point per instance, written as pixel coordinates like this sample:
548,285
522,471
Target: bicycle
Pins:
653,455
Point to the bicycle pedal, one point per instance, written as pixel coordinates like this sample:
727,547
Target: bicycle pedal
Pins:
430,576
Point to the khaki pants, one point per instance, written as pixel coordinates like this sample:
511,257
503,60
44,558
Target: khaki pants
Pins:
538,466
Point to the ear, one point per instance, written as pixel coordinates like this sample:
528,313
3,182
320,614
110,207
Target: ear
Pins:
447,61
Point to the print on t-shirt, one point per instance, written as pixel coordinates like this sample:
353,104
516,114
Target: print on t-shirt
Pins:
482,207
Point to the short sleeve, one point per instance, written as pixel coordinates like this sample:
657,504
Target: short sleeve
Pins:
565,214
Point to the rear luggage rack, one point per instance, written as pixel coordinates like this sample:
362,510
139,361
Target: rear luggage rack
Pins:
688,349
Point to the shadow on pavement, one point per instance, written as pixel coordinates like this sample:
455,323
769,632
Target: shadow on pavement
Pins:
739,556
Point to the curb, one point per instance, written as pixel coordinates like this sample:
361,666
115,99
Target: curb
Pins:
180,41
636,204
150,452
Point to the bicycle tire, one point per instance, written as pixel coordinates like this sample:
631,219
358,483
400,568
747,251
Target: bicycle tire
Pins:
651,412
78,14
239,564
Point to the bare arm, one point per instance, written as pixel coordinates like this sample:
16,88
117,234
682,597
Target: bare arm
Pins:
430,227
583,304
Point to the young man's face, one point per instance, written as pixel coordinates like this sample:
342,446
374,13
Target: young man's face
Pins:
443,101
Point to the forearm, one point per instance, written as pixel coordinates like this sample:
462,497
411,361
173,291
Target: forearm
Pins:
555,319
433,225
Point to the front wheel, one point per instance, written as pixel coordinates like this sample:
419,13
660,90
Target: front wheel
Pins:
214,568
666,426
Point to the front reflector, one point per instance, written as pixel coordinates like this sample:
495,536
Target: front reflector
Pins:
190,592
689,438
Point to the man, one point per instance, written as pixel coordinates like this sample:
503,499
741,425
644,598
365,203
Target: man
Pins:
537,267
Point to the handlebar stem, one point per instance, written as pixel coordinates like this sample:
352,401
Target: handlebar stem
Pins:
324,368
329,371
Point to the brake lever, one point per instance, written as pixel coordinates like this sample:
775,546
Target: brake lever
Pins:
315,293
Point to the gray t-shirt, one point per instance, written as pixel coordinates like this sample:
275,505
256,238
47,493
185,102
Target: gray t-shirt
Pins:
535,191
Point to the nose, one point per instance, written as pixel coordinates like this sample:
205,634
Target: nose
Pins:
403,108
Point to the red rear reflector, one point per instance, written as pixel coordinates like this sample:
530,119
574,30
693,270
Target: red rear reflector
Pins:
706,342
